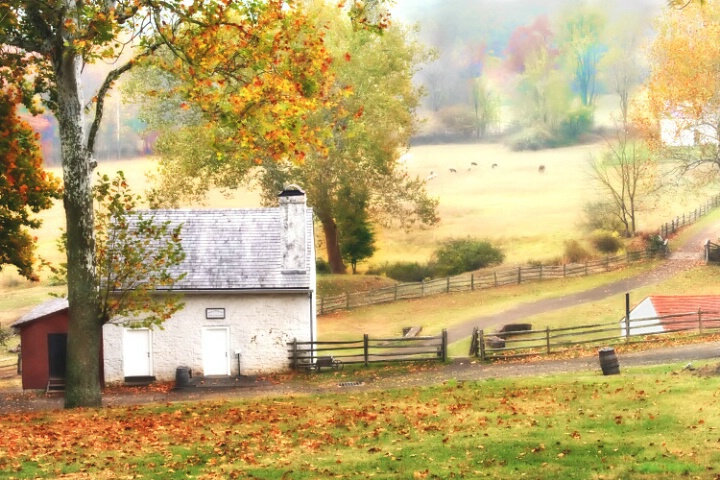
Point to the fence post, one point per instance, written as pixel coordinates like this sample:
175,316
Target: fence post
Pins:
347,300
547,338
472,281
294,354
444,345
700,325
396,292
541,271
519,275
447,289
564,268
607,263
366,348
422,287
586,267
495,277
322,305
481,345
627,317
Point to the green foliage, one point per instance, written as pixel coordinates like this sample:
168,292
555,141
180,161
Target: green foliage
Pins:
654,245
136,257
575,252
408,271
322,266
357,238
456,256
576,123
606,242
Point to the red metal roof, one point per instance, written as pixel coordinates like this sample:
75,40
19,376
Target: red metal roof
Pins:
674,304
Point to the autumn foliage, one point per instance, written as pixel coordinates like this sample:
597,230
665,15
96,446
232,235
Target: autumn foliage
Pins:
25,187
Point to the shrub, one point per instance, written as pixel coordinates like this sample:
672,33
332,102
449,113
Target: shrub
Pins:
606,242
408,271
535,138
575,124
456,256
601,216
654,244
322,266
5,335
377,269
575,252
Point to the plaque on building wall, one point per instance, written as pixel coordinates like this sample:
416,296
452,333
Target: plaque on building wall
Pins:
215,313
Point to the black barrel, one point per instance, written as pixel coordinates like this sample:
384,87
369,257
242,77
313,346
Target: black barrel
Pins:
609,361
182,377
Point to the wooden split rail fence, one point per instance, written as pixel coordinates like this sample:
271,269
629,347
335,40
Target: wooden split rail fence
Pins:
509,276
370,350
514,344
477,281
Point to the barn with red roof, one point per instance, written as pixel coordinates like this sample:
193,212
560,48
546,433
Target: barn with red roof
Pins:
666,313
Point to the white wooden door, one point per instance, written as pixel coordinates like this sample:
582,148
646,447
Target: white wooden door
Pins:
216,359
136,352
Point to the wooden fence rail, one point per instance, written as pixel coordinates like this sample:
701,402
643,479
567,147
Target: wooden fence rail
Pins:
690,217
502,345
369,350
477,281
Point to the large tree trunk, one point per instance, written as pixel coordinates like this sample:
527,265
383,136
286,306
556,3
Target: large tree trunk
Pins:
82,382
332,245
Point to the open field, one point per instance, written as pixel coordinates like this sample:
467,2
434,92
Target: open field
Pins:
581,425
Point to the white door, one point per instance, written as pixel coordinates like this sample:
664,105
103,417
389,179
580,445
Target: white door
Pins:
136,352
216,360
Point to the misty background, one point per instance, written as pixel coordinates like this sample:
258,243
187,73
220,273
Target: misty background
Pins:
501,69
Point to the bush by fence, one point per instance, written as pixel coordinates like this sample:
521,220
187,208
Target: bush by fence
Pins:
513,344
369,350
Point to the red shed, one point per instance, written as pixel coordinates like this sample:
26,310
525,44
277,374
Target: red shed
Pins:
43,344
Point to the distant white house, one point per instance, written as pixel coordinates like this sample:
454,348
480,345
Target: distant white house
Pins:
249,290
659,313
679,130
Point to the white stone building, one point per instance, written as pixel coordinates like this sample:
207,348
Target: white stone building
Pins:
249,290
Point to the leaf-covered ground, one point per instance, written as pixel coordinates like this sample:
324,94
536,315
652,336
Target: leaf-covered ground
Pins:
659,422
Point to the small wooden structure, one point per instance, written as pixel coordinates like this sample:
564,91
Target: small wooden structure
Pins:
43,345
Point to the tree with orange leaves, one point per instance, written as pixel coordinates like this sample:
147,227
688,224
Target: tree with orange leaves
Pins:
683,89
44,46
25,187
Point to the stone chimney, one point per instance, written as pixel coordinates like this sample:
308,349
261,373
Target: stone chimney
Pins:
294,231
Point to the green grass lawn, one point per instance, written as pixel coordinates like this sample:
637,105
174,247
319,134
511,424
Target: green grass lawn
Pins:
635,425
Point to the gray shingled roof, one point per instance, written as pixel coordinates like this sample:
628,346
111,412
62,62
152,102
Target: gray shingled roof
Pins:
235,249
46,308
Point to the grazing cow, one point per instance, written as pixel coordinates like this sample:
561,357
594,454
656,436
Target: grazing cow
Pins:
431,176
473,164
453,170
494,165
541,169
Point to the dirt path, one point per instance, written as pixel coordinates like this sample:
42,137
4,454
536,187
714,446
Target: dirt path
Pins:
683,257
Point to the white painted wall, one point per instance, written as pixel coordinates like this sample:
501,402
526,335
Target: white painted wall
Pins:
643,320
260,325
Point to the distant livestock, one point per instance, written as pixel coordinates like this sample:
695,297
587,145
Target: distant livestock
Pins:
473,163
541,169
453,170
431,176
494,165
